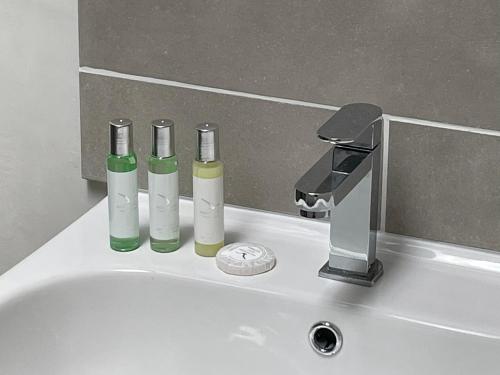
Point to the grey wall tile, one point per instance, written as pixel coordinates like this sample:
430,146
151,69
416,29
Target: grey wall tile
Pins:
435,60
444,185
266,146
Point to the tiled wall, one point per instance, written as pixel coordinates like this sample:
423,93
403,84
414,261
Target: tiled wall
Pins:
271,72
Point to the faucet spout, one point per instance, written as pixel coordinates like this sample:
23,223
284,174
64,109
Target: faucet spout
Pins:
329,181
313,192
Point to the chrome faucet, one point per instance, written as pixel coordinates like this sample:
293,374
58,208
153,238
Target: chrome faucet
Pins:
344,184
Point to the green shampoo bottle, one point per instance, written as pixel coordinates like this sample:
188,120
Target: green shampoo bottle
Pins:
208,192
122,187
163,185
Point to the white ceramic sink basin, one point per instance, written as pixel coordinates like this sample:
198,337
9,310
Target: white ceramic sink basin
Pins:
77,307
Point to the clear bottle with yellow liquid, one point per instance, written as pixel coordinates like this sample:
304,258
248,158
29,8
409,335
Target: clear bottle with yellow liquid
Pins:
208,192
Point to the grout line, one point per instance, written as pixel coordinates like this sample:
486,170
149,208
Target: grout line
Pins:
385,164
165,82
443,125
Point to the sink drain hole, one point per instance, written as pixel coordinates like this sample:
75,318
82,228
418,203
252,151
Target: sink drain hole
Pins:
325,338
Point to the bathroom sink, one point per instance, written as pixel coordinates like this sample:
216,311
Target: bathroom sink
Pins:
77,307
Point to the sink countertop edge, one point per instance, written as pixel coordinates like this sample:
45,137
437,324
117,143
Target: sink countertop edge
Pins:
425,282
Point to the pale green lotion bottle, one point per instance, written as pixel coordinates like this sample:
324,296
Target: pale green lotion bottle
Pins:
208,192
122,187
163,183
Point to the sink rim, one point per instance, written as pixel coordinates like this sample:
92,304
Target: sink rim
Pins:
446,268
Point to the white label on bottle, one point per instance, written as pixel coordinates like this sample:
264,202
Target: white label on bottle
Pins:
208,199
122,204
163,205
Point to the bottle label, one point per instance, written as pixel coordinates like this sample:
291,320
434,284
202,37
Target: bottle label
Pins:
122,204
163,205
208,199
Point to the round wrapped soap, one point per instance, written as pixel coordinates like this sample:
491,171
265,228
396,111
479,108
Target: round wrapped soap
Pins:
245,259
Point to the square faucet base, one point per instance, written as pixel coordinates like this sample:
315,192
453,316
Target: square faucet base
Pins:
376,270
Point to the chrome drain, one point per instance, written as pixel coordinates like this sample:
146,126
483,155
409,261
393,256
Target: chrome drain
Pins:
325,338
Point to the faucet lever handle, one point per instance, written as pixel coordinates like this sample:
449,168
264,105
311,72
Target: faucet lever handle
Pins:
357,125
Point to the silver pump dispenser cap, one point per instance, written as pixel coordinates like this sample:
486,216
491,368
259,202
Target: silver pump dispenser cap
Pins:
162,138
121,137
207,145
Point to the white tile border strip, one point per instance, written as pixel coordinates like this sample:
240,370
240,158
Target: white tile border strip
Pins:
443,125
385,165
165,82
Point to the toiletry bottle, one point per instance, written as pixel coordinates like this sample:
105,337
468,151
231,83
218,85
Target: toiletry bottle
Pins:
208,192
163,182
122,187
